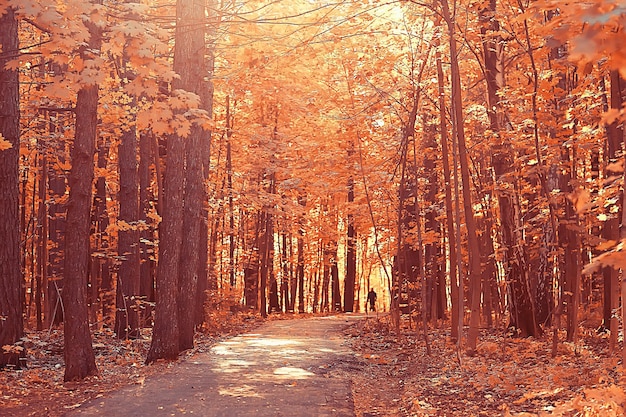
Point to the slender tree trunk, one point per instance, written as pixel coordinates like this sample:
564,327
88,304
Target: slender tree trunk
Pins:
206,100
348,300
53,309
11,280
445,159
146,246
473,246
263,246
284,280
251,273
300,261
128,277
231,205
42,250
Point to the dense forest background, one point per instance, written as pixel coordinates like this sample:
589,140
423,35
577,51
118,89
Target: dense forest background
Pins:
161,161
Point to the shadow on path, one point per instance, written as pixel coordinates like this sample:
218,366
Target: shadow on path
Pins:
282,369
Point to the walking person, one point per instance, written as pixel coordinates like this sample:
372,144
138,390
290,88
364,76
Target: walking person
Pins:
371,300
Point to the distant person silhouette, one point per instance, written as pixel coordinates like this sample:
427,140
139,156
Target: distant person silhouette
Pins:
371,299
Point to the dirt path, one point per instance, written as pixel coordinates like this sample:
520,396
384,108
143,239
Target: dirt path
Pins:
284,368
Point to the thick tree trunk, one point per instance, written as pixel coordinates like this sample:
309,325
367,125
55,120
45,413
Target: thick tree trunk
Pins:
165,334
11,322
78,352
190,64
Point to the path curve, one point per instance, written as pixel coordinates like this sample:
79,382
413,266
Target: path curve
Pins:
283,368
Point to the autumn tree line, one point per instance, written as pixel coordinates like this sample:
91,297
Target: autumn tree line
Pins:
160,160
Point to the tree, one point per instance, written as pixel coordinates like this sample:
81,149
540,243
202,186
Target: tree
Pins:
175,284
459,129
191,65
11,281
128,279
78,351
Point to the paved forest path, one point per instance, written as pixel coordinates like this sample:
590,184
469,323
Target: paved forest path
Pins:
284,368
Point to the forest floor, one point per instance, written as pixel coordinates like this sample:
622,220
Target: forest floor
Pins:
507,377
390,374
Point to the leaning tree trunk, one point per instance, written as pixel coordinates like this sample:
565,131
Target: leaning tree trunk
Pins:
11,324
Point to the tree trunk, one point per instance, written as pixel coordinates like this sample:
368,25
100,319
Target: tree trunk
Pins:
284,280
300,261
146,246
206,103
101,274
447,177
615,134
128,277
57,226
42,249
78,352
472,239
348,300
11,280
165,334
191,66
263,245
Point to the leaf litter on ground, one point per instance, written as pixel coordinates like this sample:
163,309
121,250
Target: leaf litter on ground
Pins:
507,377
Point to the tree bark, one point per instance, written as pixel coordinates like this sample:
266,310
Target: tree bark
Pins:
472,239
300,261
78,352
146,246
128,278
11,280
348,300
447,178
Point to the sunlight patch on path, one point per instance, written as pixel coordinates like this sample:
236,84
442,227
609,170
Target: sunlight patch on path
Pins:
242,391
293,373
